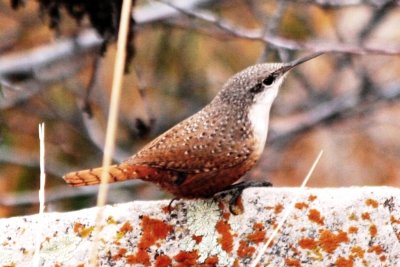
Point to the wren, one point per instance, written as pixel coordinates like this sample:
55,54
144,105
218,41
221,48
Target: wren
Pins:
212,149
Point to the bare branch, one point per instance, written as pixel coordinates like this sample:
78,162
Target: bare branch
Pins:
25,158
88,40
345,3
44,55
154,12
350,105
271,28
257,35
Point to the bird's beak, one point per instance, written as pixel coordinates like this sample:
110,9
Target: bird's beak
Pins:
288,66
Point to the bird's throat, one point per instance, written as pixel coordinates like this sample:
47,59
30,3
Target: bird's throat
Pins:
259,117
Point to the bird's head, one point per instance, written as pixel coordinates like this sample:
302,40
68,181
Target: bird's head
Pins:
258,84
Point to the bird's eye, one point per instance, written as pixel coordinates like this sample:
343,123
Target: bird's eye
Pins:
269,80
257,88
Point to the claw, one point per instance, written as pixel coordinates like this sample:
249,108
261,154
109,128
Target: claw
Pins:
171,202
236,191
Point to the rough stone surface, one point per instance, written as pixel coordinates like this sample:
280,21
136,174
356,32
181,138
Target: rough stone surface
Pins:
357,226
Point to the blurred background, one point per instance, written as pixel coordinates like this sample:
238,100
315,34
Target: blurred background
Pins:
56,65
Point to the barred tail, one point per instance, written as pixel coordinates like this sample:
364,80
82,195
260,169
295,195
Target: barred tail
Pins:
116,173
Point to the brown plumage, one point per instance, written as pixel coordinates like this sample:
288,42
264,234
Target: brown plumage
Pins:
212,149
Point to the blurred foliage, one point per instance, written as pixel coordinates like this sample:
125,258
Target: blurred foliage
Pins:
179,65
103,15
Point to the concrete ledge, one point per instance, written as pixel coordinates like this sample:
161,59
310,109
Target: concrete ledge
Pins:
357,226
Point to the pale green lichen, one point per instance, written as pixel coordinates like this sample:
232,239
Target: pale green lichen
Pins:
61,247
202,219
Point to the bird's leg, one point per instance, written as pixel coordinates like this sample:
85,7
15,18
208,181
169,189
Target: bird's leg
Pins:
236,191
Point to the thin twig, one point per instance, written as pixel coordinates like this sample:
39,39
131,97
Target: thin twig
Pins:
271,28
349,105
287,212
278,41
112,124
343,3
39,230
377,17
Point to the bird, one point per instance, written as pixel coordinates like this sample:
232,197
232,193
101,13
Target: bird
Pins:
211,150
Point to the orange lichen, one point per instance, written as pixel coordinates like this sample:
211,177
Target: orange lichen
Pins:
166,209
357,252
308,243
382,258
126,227
163,261
152,231
186,258
353,230
141,257
292,262
365,216
278,208
258,235
373,230
377,249
221,206
226,215
245,250
236,263
315,216
301,205
80,265
343,262
121,252
77,227
372,202
393,220
226,239
83,231
197,238
312,198
210,261
330,241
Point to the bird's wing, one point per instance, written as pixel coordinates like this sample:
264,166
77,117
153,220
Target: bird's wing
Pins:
198,144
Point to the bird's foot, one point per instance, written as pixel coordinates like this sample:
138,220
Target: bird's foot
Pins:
169,207
235,190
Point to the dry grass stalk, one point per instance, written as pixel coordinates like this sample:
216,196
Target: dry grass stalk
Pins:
119,67
39,230
287,212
